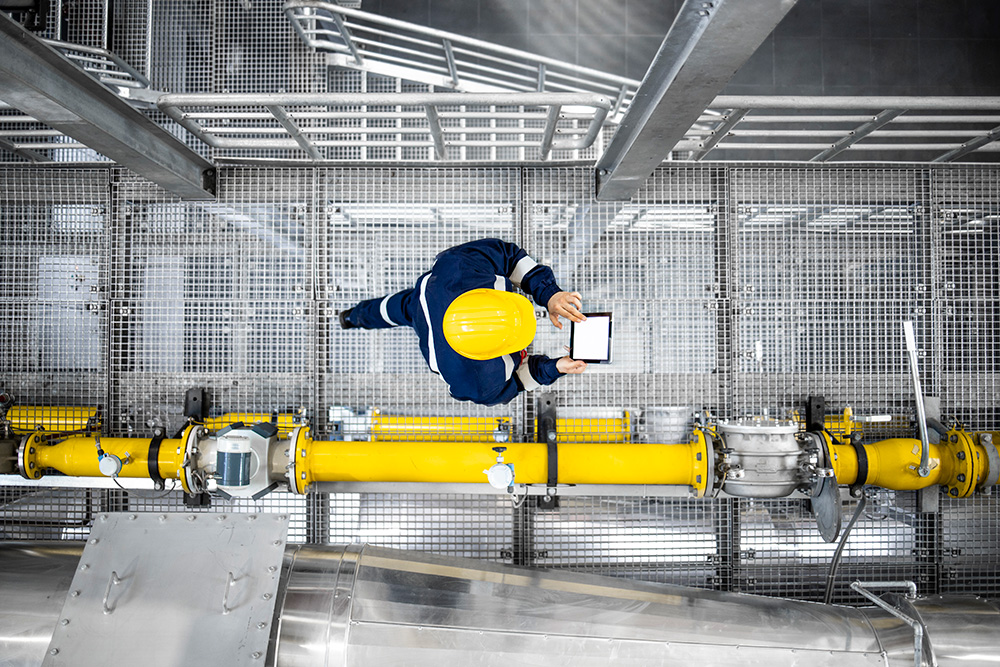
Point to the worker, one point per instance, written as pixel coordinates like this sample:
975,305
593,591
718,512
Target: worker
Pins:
472,329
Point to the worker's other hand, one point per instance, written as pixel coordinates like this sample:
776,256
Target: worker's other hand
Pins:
567,304
570,366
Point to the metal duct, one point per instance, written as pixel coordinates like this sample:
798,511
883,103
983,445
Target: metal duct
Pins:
359,605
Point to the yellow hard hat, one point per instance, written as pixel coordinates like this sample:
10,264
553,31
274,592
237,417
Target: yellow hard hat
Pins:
488,323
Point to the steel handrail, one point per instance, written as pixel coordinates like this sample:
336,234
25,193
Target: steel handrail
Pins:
442,58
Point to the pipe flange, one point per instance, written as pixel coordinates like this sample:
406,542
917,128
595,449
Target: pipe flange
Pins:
192,482
993,457
297,474
961,448
23,451
702,470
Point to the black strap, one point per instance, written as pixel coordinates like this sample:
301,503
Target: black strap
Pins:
553,448
862,477
547,434
153,458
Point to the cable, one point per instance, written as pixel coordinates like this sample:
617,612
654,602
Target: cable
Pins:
835,563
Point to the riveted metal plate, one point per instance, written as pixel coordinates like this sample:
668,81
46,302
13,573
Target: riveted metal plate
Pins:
172,589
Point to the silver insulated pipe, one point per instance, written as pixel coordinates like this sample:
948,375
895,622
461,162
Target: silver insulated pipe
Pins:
357,605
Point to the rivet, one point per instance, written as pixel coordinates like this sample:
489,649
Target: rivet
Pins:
221,517
276,543
163,517
93,540
256,654
75,594
272,569
54,651
64,621
266,596
131,517
192,517
251,517
261,625
84,567
104,517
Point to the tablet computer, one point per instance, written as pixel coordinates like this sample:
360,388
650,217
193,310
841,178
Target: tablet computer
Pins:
590,340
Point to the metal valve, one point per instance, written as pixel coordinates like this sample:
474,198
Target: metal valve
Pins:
500,475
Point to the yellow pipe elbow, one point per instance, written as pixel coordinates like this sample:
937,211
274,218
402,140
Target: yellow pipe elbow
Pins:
894,463
957,462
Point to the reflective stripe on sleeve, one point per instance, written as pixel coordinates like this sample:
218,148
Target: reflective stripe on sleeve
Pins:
431,356
524,375
383,309
521,269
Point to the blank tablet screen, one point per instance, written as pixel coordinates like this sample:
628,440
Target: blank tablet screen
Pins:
590,341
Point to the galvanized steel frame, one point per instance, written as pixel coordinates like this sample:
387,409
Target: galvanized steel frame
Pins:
897,128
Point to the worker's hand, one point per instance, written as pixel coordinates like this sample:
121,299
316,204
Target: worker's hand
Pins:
570,366
567,304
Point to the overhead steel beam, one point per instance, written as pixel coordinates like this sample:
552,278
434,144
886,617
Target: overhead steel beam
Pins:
707,43
45,85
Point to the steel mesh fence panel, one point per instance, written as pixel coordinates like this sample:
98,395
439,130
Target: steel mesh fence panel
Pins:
448,524
966,208
828,264
654,263
667,540
378,231
212,294
54,226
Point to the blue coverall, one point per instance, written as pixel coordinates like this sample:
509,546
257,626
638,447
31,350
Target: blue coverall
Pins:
490,263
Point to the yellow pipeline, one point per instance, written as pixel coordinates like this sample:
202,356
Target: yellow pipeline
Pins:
30,418
397,428
439,462
285,421
394,428
77,456
959,462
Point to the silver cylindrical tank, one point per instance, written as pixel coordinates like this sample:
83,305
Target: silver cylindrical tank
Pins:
353,606
34,580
